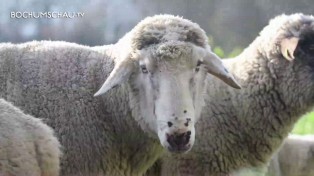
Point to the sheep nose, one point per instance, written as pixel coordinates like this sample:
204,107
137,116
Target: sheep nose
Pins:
179,142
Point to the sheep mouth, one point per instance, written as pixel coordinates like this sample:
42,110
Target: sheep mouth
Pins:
179,142
179,149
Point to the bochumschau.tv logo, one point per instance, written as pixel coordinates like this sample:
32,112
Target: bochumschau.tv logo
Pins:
48,15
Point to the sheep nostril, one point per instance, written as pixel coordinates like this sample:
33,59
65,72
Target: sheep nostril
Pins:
170,124
188,133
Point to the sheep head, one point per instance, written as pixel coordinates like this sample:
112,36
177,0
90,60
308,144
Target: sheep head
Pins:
300,46
168,78
288,37
288,45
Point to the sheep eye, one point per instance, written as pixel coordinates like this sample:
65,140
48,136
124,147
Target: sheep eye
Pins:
144,69
198,65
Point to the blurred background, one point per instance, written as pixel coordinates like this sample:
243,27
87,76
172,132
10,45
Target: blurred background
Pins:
231,25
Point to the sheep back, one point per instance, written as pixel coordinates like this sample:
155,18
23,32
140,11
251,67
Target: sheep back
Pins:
27,145
56,81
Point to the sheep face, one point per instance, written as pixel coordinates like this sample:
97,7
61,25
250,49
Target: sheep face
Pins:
172,81
168,81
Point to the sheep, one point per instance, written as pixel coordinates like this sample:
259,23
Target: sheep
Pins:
294,158
152,96
239,130
28,147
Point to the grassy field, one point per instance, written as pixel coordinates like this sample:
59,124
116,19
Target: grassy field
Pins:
305,125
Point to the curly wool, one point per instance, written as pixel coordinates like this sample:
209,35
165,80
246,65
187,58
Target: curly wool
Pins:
56,81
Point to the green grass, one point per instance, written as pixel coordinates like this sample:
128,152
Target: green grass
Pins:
305,125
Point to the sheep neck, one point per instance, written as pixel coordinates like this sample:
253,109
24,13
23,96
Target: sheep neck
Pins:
267,73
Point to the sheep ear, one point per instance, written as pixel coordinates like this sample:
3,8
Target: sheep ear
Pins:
288,46
120,73
215,67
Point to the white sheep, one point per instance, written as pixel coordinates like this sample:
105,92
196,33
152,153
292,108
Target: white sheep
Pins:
28,147
160,65
241,129
294,158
